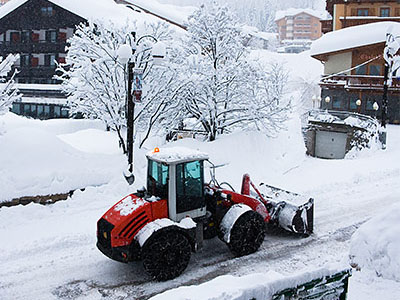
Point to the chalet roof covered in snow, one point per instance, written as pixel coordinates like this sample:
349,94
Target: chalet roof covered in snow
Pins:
87,9
353,37
280,14
171,13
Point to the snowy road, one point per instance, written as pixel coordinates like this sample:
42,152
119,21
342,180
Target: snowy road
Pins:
64,263
49,252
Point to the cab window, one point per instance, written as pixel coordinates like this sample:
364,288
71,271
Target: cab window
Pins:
157,179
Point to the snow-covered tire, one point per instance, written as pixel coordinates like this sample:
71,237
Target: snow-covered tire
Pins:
166,254
247,234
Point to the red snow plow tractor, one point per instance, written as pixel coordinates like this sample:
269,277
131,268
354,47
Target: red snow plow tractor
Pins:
164,223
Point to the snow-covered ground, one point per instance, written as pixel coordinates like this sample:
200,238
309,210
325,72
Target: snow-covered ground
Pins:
41,158
49,252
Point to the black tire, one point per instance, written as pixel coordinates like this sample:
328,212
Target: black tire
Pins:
247,234
166,254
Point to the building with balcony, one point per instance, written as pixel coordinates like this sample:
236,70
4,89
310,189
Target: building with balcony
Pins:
298,24
38,30
346,13
354,70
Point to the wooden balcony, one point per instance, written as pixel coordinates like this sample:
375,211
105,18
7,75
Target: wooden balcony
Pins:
356,20
326,26
358,82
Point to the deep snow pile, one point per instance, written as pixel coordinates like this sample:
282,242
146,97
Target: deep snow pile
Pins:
253,286
376,245
34,161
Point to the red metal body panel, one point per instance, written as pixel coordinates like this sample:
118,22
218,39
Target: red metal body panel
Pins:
131,214
159,209
254,204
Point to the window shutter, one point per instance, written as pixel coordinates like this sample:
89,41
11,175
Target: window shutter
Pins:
397,12
62,36
35,61
35,37
354,12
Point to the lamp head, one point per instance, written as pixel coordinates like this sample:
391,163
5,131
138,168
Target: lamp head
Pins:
124,53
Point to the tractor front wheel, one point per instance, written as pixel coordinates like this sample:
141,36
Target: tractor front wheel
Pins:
247,234
166,255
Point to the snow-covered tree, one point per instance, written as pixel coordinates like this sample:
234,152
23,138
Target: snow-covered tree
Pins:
221,86
8,91
96,80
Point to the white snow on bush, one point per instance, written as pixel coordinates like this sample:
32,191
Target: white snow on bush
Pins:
150,228
254,286
36,162
376,244
230,219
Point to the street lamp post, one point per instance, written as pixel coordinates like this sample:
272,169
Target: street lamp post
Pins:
127,56
358,103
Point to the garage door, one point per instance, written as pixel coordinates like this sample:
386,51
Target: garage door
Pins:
330,144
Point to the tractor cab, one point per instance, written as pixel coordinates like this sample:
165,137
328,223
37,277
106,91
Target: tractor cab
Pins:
177,174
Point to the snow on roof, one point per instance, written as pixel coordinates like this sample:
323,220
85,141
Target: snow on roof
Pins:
280,14
87,9
254,31
176,14
352,37
176,154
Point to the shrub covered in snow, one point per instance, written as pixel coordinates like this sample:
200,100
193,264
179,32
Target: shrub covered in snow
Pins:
376,245
220,85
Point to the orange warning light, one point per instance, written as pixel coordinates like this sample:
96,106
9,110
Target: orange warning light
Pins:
156,150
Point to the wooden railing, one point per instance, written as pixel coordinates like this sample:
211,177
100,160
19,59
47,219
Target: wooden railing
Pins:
358,81
326,26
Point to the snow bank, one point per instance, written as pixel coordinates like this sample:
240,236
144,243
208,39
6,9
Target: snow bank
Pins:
56,126
254,286
36,162
376,245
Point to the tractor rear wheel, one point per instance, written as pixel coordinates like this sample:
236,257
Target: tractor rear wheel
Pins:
166,254
247,234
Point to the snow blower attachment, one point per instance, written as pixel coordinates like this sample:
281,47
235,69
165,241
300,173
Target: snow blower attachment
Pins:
165,223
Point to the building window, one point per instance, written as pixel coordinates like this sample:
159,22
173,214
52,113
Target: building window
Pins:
24,59
361,70
375,70
40,110
370,104
47,11
46,111
51,36
49,60
385,12
16,108
353,104
57,111
336,103
362,12
25,36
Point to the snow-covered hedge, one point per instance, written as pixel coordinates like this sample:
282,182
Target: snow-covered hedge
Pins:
376,245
